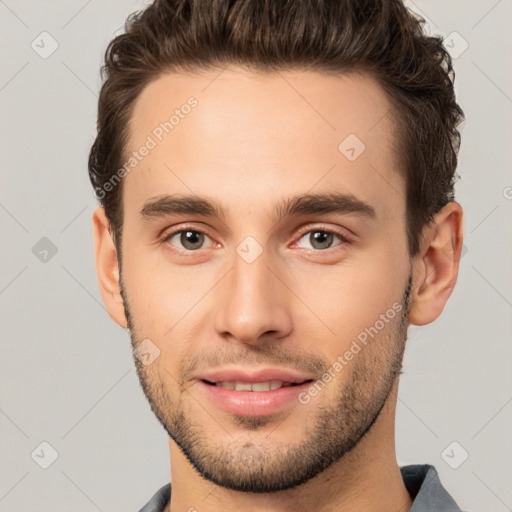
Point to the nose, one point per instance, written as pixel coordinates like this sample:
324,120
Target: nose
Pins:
253,303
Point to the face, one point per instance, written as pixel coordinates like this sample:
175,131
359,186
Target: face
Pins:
265,233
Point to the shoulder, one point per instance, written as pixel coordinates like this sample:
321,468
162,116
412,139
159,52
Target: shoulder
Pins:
159,500
425,488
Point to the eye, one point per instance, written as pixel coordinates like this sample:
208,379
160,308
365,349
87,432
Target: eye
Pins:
321,239
191,240
187,239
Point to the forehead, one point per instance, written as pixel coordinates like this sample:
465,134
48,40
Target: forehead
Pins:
244,136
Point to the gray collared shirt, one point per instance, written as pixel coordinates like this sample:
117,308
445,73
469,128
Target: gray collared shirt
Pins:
421,480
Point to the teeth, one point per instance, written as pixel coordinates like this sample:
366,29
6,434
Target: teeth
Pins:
260,386
228,385
254,386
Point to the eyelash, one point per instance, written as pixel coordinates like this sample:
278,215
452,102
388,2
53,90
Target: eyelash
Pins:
344,239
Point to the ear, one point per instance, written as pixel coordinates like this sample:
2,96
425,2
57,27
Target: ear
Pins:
107,268
437,266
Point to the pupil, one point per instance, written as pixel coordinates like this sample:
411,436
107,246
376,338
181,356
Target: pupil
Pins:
321,238
191,239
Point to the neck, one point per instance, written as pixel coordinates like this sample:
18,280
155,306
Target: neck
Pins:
366,479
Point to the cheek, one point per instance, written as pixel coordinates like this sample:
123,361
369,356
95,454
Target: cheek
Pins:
164,298
346,298
150,293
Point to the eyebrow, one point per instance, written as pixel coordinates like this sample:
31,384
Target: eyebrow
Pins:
333,202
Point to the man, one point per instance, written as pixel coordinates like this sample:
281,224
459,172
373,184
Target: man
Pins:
276,185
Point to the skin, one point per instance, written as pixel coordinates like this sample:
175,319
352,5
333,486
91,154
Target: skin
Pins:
253,141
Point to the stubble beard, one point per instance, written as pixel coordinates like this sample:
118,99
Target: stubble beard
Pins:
247,466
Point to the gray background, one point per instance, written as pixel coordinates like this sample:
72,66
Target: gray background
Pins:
67,375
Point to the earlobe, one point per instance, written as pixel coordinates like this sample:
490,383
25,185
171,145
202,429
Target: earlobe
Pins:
436,268
107,267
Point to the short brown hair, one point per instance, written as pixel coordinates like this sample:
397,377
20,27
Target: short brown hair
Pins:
380,37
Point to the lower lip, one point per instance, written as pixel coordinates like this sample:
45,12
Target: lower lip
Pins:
253,403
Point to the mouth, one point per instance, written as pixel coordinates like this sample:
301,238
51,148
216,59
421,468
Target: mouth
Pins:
254,399
270,385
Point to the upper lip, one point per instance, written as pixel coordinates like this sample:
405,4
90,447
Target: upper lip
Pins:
253,375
